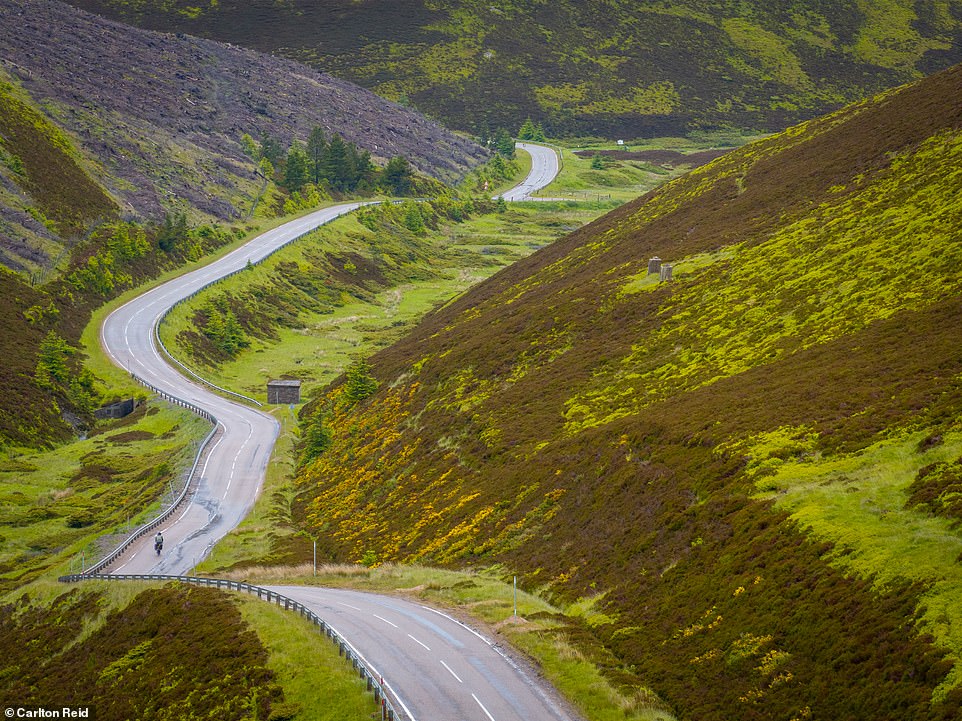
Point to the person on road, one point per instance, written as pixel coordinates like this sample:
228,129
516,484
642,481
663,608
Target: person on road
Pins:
158,542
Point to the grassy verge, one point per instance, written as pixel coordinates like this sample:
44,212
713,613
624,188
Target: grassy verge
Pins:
551,637
56,504
117,379
318,683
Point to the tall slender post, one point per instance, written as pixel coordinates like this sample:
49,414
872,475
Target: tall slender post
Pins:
315,558
515,595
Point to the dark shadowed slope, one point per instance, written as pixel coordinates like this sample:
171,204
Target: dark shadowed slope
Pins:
619,68
724,463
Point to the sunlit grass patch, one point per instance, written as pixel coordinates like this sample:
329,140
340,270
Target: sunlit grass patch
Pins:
859,503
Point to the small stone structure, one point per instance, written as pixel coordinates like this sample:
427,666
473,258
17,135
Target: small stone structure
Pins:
665,273
115,410
654,265
283,392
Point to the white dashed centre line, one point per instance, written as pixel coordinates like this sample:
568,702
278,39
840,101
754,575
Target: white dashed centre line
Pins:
385,620
452,673
486,712
419,642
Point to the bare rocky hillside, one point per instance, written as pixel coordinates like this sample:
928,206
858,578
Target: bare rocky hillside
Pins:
156,119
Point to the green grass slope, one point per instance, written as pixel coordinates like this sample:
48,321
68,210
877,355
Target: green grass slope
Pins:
751,471
617,68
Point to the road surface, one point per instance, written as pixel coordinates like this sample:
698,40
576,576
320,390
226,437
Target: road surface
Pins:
544,168
434,666
233,471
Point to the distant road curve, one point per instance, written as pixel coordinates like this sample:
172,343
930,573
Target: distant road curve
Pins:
544,169
232,473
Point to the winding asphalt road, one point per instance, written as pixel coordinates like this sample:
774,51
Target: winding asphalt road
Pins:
544,168
433,666
436,668
234,469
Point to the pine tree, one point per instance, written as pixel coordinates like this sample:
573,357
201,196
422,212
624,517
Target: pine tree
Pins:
271,150
338,164
504,143
234,338
214,327
413,220
295,169
316,148
397,176
360,383
527,131
317,438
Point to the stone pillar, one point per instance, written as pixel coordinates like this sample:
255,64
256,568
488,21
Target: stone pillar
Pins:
666,272
654,265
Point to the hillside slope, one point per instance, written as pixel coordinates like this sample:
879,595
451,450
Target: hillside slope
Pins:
750,471
148,123
615,67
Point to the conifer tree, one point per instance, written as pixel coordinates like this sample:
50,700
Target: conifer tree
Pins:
271,150
504,143
316,149
360,383
295,169
338,164
527,131
397,176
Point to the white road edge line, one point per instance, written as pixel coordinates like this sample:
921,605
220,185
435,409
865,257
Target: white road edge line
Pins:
452,672
454,620
370,665
486,712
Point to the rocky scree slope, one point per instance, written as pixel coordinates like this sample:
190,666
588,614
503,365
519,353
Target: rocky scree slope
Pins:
617,439
156,120
615,68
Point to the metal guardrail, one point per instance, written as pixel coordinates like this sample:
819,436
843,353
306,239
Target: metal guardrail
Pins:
207,415
188,485
375,682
